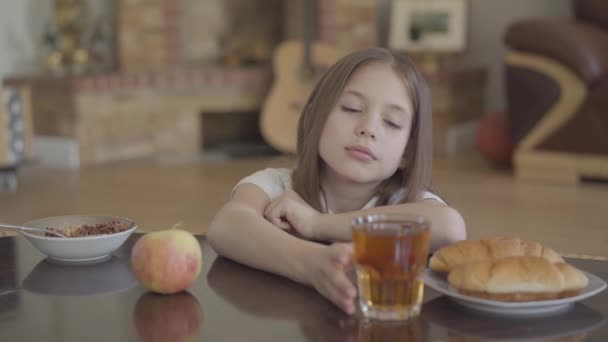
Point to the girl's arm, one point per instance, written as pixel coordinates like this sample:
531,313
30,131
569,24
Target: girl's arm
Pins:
240,232
447,225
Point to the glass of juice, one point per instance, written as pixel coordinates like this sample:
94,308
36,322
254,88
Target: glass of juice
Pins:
391,252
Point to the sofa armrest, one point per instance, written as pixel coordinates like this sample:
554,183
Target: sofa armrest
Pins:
580,46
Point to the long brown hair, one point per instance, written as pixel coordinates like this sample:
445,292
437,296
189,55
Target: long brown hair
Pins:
413,176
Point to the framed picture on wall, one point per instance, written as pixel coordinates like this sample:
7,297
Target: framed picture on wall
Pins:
428,25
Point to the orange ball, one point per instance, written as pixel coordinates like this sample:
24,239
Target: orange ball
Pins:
494,139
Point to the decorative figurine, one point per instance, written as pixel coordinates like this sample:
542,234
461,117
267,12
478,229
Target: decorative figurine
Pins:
73,44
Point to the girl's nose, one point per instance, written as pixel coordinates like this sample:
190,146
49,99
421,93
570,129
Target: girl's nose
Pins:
364,132
366,127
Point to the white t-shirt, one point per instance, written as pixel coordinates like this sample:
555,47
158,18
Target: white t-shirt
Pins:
276,181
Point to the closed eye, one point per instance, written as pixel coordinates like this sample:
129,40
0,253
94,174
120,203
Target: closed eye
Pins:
392,124
350,109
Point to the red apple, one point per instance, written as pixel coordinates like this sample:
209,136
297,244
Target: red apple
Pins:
167,261
176,317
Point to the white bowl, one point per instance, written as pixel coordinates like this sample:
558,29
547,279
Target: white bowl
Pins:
78,249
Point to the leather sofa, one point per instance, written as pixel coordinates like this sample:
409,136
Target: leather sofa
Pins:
556,77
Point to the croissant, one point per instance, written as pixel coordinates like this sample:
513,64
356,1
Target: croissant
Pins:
519,278
467,251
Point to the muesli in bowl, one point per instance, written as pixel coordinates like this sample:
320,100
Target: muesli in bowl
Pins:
90,238
111,227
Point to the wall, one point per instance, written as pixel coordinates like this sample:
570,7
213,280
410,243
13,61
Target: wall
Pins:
488,21
22,22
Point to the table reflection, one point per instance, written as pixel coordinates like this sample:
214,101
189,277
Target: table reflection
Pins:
176,317
9,297
52,278
269,296
239,304
466,325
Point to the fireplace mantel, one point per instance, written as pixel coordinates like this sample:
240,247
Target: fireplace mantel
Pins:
128,115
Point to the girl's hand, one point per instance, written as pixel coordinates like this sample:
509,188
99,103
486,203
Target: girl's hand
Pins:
327,274
289,211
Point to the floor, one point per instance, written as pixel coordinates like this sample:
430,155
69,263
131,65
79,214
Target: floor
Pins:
161,192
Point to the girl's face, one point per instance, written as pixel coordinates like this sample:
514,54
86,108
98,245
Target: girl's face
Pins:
367,131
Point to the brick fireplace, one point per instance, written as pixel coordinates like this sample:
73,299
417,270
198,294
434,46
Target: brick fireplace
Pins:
176,60
156,34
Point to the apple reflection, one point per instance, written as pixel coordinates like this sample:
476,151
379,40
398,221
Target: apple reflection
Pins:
176,317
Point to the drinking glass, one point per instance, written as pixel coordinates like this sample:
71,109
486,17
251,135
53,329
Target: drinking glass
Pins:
391,253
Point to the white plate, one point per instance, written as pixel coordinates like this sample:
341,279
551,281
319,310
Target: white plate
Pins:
533,308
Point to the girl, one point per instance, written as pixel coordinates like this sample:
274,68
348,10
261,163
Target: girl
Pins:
363,147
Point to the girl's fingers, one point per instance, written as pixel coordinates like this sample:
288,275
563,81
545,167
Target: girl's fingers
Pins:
342,253
280,222
273,214
340,281
339,299
284,225
268,211
340,288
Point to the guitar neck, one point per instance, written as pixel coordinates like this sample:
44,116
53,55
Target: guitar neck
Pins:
309,33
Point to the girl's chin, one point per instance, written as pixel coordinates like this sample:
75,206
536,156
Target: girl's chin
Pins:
351,171
357,176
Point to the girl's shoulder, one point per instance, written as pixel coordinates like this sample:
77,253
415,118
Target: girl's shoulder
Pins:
278,175
430,194
423,195
273,181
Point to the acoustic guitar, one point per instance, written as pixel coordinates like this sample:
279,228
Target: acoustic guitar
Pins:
297,67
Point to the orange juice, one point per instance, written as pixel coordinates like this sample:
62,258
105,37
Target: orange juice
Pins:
391,255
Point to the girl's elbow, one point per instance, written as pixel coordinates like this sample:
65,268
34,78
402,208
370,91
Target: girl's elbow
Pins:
212,235
458,228
221,232
215,233
455,227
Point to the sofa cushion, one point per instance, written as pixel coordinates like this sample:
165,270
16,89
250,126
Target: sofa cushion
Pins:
581,47
593,11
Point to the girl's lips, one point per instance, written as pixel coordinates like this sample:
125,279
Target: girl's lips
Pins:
360,153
